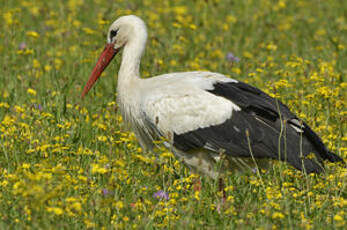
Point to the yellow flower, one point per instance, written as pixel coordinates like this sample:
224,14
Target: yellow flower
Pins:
271,47
76,23
4,105
247,54
180,9
25,165
338,218
58,63
88,30
341,47
277,215
280,5
76,206
103,22
192,26
32,34
97,169
236,70
197,195
36,64
8,18
102,138
55,210
231,19
47,68
119,204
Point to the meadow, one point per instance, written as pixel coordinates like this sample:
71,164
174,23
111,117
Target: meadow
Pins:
68,163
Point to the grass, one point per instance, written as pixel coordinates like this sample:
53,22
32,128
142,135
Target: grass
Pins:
67,163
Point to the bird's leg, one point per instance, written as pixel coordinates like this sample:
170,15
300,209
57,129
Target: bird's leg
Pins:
197,184
222,204
221,187
221,163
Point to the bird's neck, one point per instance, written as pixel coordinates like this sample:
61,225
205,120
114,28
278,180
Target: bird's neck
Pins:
129,72
129,81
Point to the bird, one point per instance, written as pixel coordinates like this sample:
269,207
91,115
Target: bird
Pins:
205,118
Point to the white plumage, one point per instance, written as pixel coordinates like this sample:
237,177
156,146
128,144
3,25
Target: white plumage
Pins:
203,114
181,103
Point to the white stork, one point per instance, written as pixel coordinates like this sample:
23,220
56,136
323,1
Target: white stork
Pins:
203,115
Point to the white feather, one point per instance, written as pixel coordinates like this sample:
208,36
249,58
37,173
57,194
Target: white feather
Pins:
179,102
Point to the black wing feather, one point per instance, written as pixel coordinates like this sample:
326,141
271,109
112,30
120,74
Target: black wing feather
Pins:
265,125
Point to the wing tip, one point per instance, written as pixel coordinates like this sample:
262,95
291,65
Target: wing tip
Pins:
310,166
332,157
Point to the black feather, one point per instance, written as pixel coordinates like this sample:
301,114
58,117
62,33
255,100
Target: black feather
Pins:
265,125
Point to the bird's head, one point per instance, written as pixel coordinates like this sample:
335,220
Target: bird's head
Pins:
121,32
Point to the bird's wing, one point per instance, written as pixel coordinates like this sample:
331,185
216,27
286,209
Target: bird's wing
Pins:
257,103
263,127
237,119
187,109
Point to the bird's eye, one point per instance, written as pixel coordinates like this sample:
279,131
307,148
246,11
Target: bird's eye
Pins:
113,33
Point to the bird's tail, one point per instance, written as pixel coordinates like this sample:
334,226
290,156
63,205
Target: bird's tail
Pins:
310,166
315,165
332,157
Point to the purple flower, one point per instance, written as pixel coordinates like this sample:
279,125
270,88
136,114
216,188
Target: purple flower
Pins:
38,106
22,46
230,57
106,192
161,195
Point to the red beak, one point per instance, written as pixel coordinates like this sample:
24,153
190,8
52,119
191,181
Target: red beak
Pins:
105,58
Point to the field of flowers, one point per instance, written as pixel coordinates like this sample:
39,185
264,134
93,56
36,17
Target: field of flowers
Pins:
67,163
